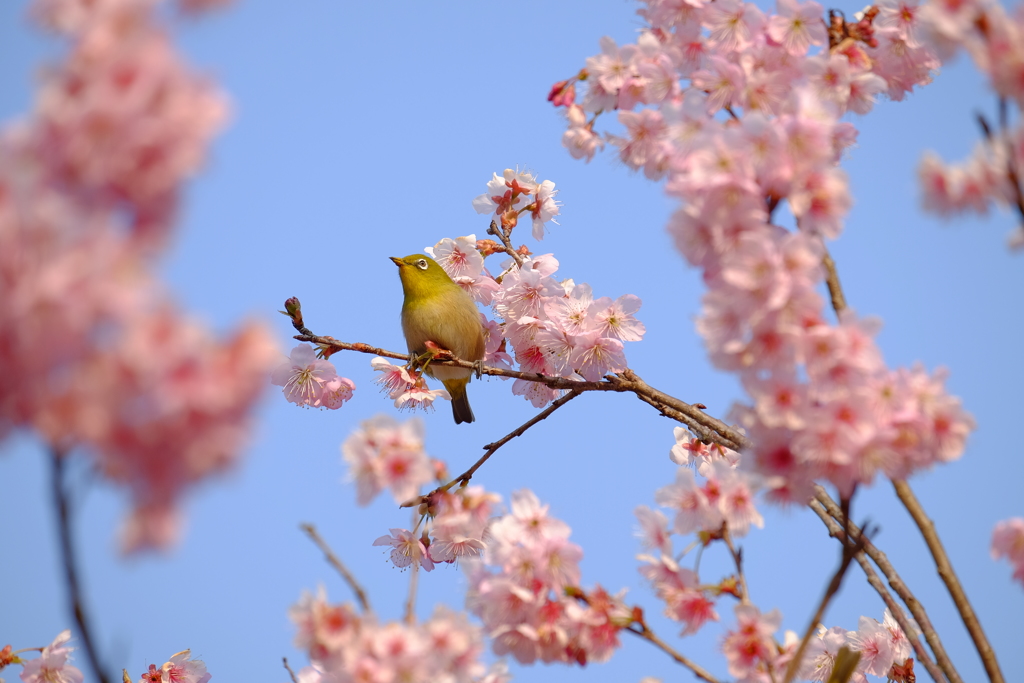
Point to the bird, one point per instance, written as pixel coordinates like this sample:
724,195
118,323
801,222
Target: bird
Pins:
437,310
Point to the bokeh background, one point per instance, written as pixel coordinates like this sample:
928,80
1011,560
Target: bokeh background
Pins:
364,130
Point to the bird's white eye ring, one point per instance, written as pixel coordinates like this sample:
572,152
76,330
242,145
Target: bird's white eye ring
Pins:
421,264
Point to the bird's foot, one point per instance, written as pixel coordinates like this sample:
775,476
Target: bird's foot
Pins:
478,368
436,352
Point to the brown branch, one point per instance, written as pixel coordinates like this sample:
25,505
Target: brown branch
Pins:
504,235
835,290
290,672
852,544
899,587
647,634
948,576
464,478
333,560
706,427
67,549
836,531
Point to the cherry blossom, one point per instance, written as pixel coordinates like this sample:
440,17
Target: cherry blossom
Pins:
52,666
1008,542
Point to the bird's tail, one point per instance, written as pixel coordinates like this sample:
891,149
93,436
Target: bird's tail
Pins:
460,401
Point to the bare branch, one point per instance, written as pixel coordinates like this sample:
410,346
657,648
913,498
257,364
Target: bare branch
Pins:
643,631
896,583
333,560
67,549
948,576
852,544
875,582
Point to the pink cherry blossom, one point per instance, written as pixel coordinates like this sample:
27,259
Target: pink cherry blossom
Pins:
798,26
408,550
384,453
1008,542
52,666
304,376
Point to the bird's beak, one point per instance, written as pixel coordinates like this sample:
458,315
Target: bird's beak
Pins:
398,261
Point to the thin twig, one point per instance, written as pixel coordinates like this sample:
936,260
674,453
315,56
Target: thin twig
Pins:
647,634
875,582
899,587
410,601
948,576
503,235
737,558
491,448
333,560
70,566
290,672
852,544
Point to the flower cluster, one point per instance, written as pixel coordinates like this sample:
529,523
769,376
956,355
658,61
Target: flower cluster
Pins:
344,645
741,113
531,605
180,669
884,650
555,328
455,526
1008,542
723,504
92,350
407,387
384,453
994,39
310,381
51,666
512,194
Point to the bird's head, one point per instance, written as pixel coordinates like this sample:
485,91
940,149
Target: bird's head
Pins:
421,275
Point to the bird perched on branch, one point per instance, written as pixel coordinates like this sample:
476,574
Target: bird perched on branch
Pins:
437,313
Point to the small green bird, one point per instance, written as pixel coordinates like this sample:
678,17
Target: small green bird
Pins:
437,310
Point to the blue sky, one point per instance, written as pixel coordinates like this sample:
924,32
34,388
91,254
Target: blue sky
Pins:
361,131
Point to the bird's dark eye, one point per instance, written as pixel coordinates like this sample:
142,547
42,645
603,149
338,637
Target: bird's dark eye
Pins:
421,264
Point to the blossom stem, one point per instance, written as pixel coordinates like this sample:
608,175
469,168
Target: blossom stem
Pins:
647,634
896,583
948,576
737,558
332,559
67,548
875,582
410,601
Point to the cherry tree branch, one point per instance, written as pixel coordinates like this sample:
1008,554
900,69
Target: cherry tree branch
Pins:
644,632
503,235
67,550
333,560
707,428
948,576
836,531
464,478
899,587
852,544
